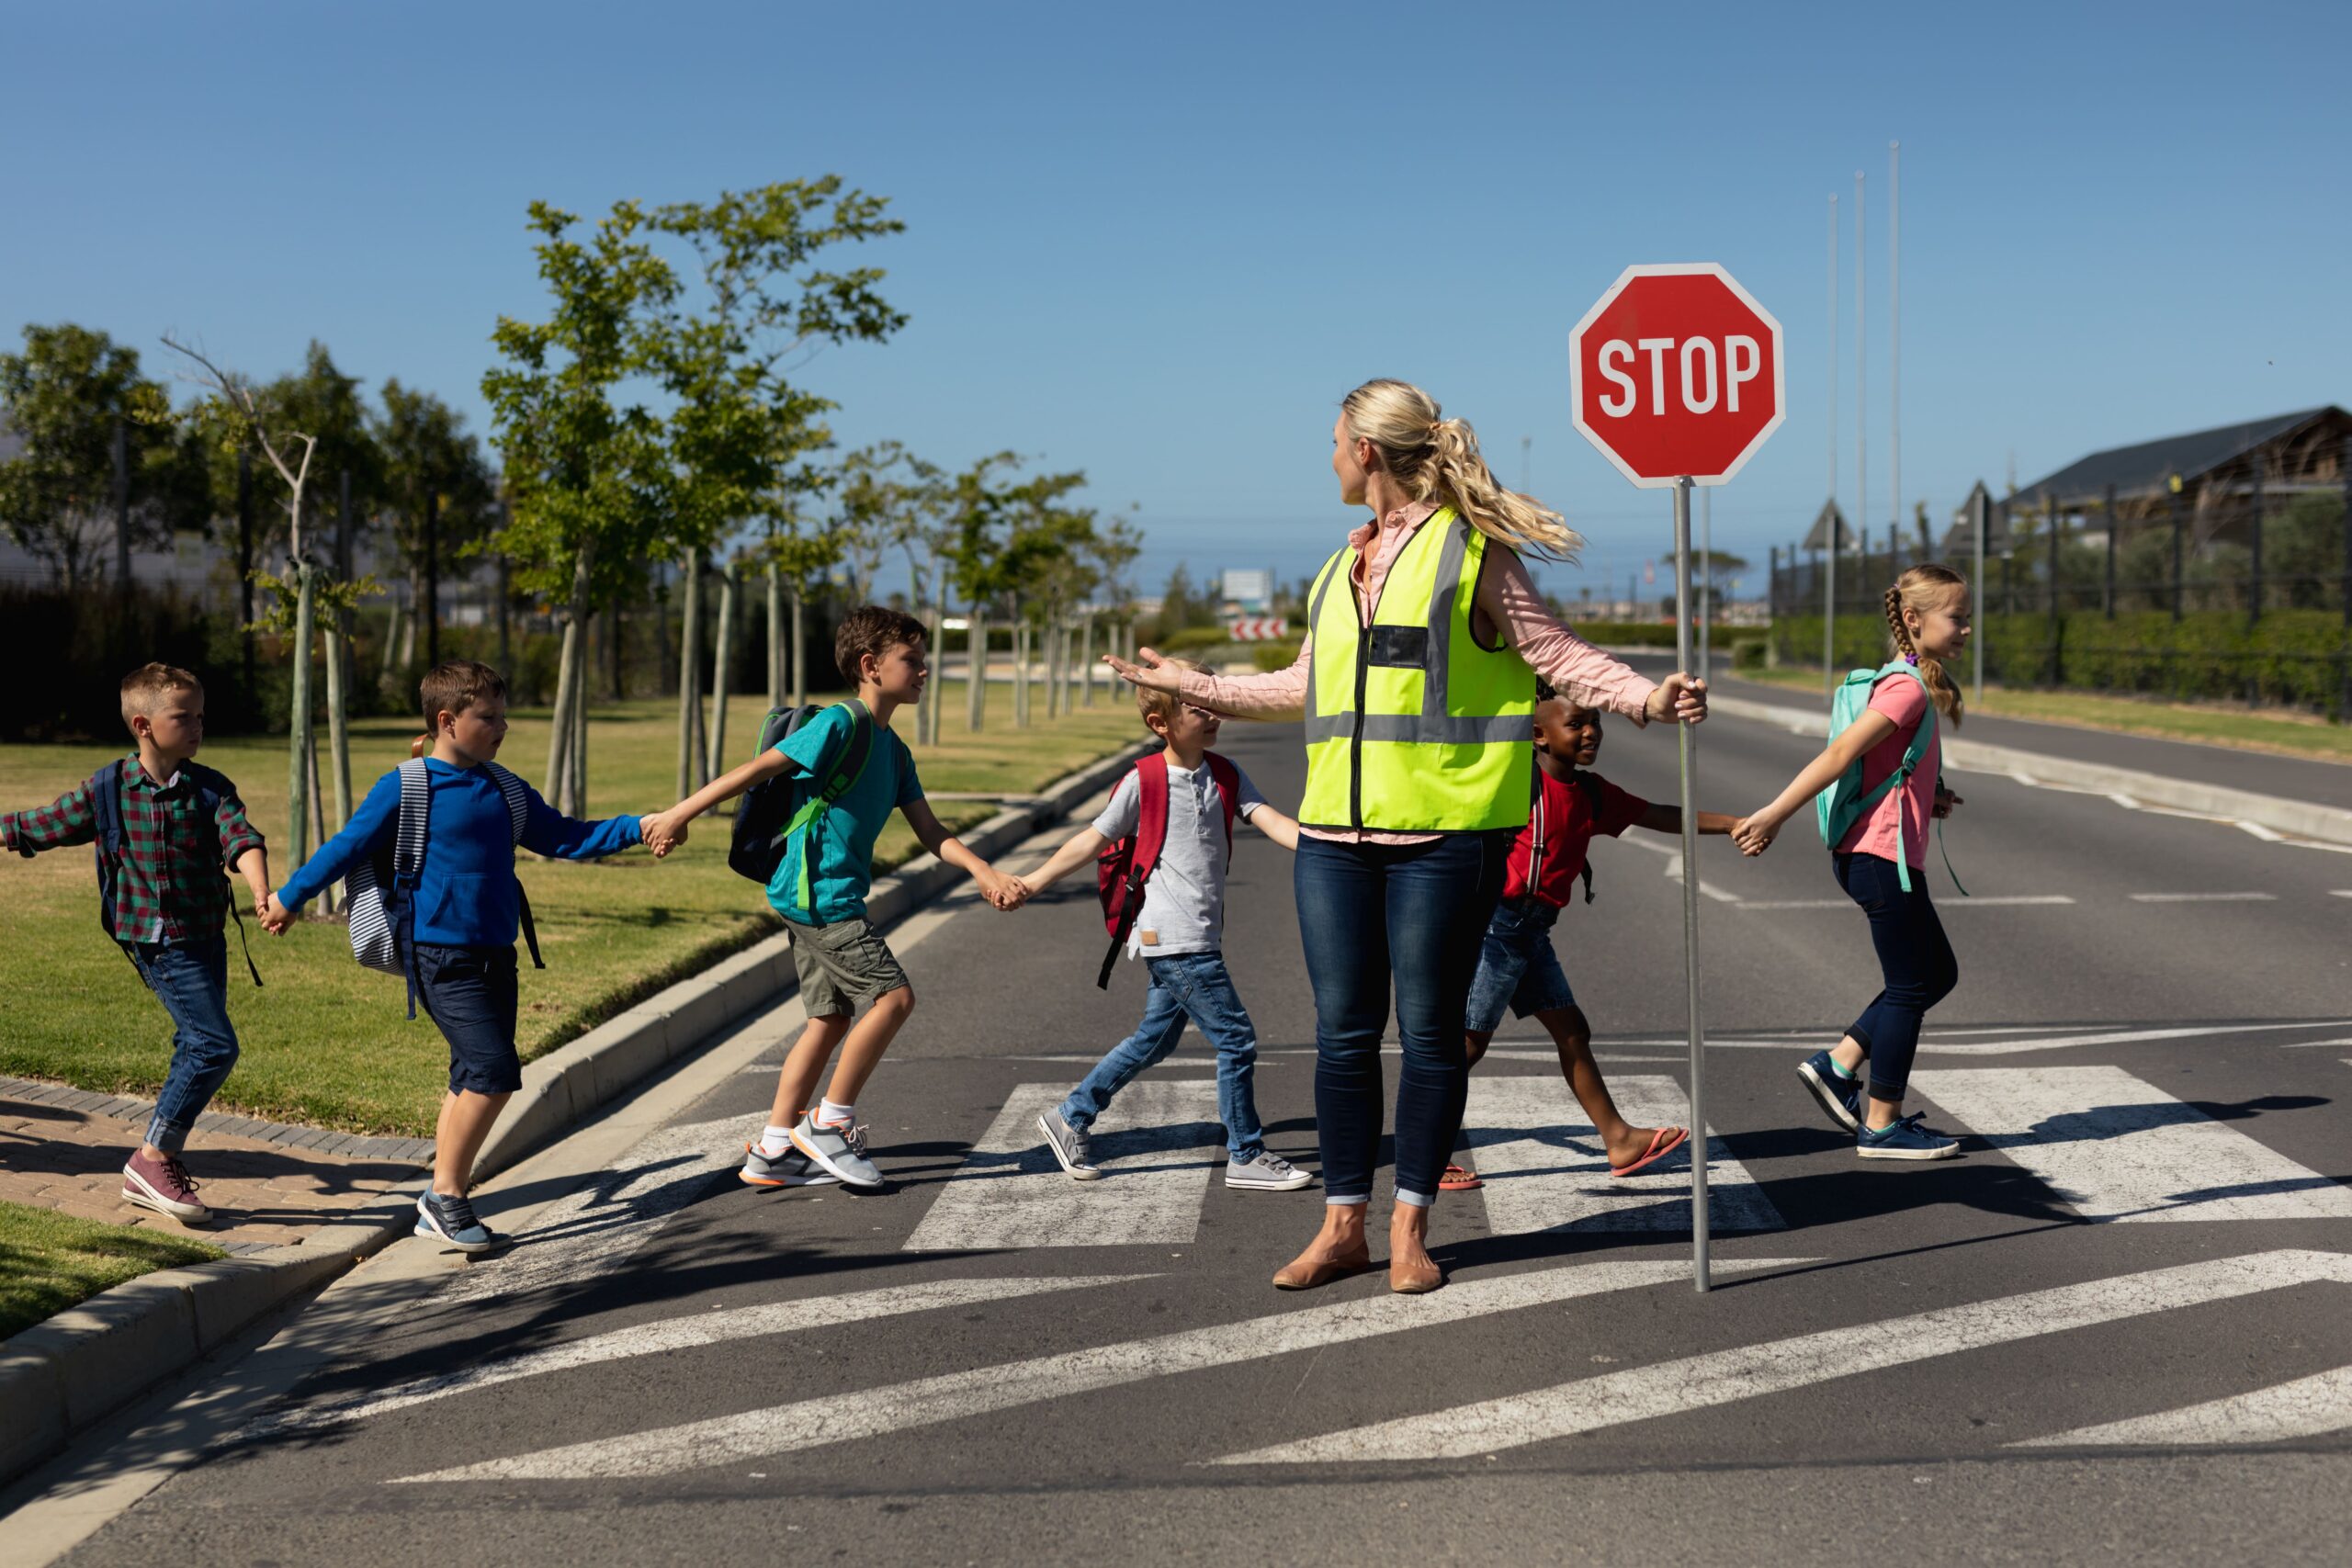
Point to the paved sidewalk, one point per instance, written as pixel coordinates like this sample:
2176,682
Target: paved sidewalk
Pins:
2291,778
268,1184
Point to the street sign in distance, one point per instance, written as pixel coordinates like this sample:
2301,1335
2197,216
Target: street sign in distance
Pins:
1676,372
1258,629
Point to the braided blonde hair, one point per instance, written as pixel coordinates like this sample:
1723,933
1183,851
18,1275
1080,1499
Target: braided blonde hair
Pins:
1436,459
1922,588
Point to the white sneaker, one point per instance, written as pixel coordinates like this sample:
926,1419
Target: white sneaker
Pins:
837,1151
1268,1173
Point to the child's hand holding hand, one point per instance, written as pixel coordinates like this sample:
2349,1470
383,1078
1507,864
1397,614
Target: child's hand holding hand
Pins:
1946,800
275,916
662,831
1016,893
996,888
1754,834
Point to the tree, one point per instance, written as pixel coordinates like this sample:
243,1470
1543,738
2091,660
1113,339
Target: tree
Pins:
977,508
1180,605
438,490
71,396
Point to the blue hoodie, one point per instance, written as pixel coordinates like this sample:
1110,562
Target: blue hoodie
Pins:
468,896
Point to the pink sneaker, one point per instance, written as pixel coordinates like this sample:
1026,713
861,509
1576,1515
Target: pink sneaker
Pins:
164,1186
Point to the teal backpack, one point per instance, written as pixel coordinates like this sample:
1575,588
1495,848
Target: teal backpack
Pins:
1845,802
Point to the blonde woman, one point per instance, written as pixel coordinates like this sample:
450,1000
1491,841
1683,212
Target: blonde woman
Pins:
1416,681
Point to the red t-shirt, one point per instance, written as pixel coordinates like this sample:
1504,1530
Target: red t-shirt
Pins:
1560,828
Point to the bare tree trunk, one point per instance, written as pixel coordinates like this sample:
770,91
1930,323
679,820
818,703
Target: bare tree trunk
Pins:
927,709
1086,661
690,679
339,724
1021,674
800,648
298,728
975,691
415,603
567,734
581,689
775,637
717,764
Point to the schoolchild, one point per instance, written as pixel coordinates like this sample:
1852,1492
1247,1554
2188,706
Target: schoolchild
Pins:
1172,916
456,929
820,886
1517,965
1881,769
164,828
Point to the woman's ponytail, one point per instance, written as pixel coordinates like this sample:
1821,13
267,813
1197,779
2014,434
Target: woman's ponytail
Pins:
1437,459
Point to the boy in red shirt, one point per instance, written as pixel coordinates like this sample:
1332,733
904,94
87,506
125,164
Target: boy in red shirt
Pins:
1518,966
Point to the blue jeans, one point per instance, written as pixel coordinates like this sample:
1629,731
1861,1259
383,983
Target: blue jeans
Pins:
1195,986
1914,961
1517,967
191,979
1413,914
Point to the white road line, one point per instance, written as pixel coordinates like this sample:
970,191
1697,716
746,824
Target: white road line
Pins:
678,1334
2204,897
1674,869
1988,901
2340,892
2121,1037
1156,1146
1546,1169
1698,1383
2316,1044
952,1396
2306,1407
2115,1147
2267,835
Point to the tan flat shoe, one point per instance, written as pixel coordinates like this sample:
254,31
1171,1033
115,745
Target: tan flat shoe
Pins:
1407,1280
1303,1273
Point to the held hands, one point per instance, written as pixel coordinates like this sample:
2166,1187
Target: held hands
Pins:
1002,892
1945,801
1679,696
1147,671
275,916
1754,834
662,831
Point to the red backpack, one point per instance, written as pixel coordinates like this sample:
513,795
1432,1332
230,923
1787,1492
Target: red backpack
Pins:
1120,870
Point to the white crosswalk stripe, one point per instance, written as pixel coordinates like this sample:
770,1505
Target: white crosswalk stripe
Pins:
2115,1147
1545,1169
2305,1407
1158,1145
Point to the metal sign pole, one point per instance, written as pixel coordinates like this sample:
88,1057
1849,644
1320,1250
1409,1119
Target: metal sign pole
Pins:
1976,586
1691,893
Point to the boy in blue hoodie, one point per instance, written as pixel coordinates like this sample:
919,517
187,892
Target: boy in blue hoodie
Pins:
460,947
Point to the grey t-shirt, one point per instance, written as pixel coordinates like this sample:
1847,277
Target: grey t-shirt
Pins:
1183,899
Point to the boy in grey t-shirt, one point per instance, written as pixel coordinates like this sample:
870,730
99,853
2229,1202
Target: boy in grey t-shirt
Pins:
1179,933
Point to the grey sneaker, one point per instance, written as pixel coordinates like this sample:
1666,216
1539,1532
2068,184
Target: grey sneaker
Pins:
838,1151
1070,1145
1267,1173
790,1169
452,1220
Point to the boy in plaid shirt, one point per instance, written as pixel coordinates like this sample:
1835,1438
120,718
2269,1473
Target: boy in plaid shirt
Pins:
163,899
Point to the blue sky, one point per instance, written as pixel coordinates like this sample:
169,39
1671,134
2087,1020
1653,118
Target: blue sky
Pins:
1159,244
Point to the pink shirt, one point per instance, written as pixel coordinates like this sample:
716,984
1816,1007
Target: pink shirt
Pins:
1507,601
1905,701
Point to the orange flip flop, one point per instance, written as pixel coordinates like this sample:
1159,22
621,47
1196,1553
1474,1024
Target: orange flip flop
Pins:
1663,1141
1459,1178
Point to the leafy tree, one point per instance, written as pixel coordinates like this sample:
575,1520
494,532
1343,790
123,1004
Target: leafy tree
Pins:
440,496
1181,606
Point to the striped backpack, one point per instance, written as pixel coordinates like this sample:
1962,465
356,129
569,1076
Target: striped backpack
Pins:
381,891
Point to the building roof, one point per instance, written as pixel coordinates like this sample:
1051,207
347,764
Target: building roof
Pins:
1960,539
2149,467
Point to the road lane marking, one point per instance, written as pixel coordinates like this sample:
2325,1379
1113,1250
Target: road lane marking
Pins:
952,1396
2119,1037
2340,892
1158,1145
1545,1169
2306,1407
1674,869
1989,901
2115,1147
1698,1383
676,1334
2203,897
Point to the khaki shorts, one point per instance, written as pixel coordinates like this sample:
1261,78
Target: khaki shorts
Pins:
840,965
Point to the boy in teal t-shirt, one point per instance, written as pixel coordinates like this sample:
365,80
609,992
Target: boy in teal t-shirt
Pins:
820,889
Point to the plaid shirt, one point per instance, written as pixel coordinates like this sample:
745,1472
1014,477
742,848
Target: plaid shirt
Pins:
170,886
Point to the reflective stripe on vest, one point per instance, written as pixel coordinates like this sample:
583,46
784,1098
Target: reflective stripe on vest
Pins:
1411,726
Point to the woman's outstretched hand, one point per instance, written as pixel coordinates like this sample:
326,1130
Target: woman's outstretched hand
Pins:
1680,696
1149,670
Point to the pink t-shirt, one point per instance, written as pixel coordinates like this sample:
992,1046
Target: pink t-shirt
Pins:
1905,701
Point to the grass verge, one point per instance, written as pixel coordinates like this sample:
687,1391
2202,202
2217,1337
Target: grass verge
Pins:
50,1261
327,1043
2284,734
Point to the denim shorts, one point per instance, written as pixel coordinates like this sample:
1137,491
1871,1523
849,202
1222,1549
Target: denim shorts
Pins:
470,992
1517,966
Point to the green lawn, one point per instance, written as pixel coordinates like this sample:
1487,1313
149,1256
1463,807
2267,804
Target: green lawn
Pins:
2285,735
328,1042
50,1261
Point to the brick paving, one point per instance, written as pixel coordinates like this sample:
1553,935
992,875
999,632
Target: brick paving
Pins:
268,1184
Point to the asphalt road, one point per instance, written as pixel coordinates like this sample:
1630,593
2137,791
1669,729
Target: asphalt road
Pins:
2116,1328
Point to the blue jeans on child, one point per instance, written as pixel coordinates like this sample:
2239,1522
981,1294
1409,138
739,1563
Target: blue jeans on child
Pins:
1914,961
1414,915
1517,968
191,979
1193,986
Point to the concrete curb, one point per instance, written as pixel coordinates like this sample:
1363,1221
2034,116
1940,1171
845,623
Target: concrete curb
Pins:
2298,818
63,1376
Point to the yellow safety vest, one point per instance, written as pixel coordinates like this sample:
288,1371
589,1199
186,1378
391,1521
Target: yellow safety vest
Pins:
1411,725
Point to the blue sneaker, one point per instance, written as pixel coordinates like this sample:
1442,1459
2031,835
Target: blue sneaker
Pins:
1904,1138
1840,1096
451,1220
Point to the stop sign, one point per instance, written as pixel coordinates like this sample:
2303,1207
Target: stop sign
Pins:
1676,372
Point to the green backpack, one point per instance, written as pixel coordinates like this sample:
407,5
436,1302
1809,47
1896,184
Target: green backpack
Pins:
1847,802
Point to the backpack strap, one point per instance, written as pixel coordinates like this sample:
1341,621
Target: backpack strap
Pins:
1228,789
211,787
1591,788
518,816
1920,738
408,862
847,769
1150,834
105,789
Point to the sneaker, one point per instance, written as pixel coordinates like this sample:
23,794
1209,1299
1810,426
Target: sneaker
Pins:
1267,1173
839,1151
1840,1096
1070,1145
790,1169
1904,1139
164,1186
451,1220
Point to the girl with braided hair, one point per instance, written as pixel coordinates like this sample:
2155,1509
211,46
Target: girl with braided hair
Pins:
1927,623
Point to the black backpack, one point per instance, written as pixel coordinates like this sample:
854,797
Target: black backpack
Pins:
774,809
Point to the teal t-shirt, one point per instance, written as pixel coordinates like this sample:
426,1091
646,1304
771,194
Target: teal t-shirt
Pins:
843,836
